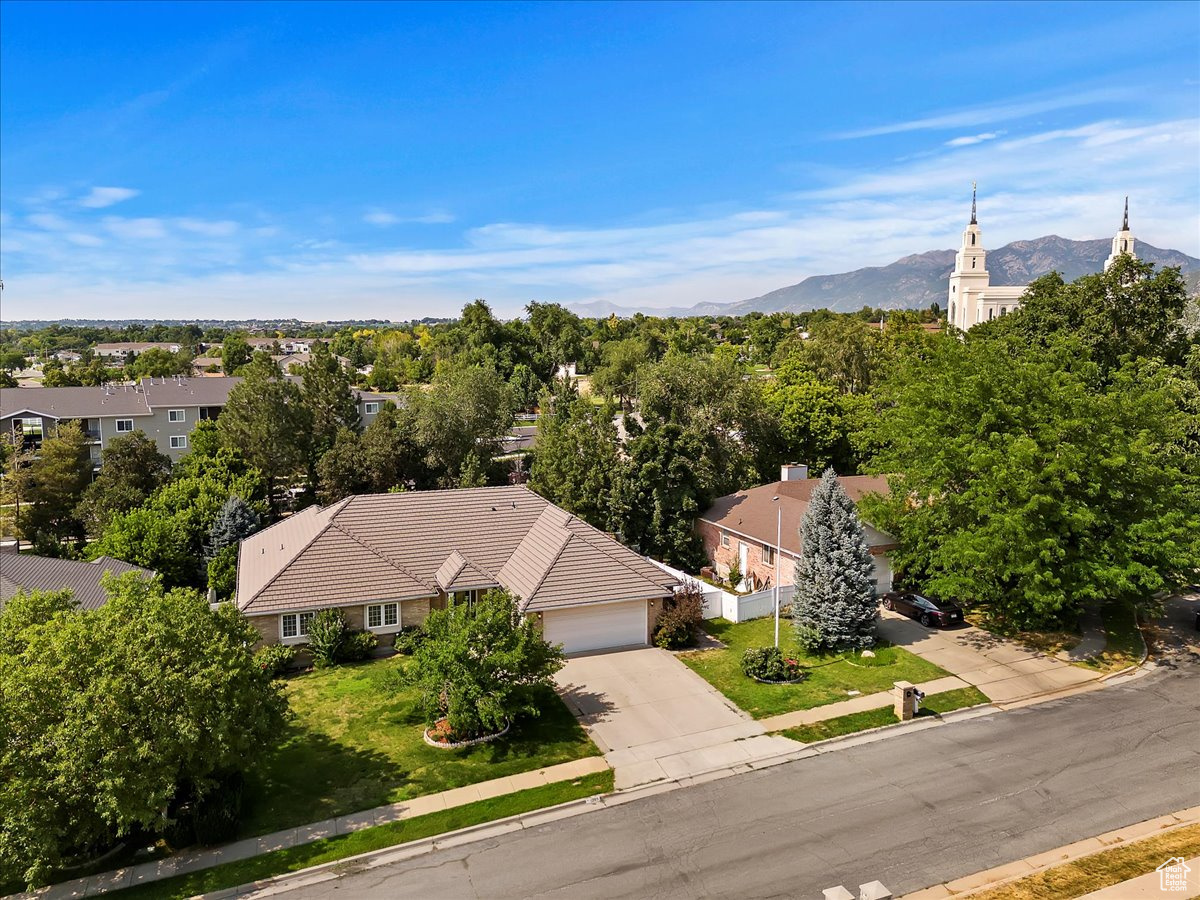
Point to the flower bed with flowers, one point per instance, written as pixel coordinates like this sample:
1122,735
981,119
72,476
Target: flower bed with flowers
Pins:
770,666
443,736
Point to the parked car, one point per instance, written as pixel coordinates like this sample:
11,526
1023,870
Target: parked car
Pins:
926,610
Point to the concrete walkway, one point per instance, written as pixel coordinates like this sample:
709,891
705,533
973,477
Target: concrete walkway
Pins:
879,700
193,860
1004,670
656,719
1095,639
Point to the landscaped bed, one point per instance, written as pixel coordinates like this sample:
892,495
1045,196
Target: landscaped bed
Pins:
830,678
357,742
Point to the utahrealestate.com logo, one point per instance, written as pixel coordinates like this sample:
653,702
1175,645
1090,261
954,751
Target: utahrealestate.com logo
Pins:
1173,874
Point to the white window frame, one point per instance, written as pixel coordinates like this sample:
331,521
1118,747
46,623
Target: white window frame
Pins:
371,408
121,422
299,622
385,611
175,416
724,538
768,555
182,442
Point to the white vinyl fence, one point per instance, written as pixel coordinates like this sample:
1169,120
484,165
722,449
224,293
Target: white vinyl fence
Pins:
728,605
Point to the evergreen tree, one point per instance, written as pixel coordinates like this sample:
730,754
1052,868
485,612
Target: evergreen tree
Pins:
835,605
328,396
236,521
342,470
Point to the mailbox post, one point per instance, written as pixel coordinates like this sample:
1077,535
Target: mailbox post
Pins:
905,695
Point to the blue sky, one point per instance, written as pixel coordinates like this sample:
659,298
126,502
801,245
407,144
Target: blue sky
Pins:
334,161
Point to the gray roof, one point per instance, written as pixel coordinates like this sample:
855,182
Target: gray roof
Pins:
75,402
21,571
423,543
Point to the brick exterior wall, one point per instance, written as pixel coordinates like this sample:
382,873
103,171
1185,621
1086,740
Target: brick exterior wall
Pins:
412,614
721,558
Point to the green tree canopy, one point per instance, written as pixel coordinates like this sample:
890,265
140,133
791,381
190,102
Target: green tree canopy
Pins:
132,469
461,421
267,420
109,716
329,398
50,489
235,353
1029,481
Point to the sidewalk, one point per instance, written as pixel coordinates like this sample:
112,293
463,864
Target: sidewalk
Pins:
877,700
193,860
1014,871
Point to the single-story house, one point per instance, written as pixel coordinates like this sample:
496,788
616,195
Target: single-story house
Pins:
386,560
742,528
25,572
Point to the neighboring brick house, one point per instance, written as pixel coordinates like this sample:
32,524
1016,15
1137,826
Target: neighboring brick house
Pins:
742,528
165,409
386,560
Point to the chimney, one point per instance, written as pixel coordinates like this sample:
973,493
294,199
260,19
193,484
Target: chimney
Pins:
793,472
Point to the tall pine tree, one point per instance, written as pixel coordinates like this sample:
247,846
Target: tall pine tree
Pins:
835,606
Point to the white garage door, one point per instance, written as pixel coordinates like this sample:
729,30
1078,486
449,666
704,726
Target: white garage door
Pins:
596,627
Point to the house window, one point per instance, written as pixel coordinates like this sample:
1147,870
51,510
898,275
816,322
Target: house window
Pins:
176,415
179,442
371,408
724,538
30,428
972,262
124,426
383,615
294,625
768,555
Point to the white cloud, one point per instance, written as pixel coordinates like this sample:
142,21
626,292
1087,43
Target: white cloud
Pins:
100,197
384,219
989,113
82,239
223,228
135,229
49,221
969,139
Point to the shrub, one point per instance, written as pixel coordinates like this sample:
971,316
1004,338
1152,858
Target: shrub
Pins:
681,616
769,664
215,815
275,659
326,636
409,639
358,645
735,575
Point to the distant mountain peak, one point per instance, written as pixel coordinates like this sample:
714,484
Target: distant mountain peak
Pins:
919,279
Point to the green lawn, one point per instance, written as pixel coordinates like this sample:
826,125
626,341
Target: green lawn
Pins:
355,743
934,705
328,850
829,677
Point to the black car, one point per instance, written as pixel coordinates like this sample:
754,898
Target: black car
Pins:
927,611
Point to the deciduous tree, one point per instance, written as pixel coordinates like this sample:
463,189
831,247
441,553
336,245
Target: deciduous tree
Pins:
132,469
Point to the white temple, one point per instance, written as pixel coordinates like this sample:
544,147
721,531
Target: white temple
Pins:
973,299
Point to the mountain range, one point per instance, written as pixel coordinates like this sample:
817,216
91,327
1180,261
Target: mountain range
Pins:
916,281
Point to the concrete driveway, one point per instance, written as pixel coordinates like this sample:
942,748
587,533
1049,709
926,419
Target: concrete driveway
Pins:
1004,670
655,718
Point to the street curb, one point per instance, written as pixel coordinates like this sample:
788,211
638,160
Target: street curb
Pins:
999,876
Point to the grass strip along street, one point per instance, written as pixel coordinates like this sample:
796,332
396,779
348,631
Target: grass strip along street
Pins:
293,859
933,705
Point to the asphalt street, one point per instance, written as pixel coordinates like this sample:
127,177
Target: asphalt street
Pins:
913,810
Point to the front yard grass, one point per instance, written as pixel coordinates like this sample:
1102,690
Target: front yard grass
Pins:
830,678
1100,870
355,742
326,850
934,704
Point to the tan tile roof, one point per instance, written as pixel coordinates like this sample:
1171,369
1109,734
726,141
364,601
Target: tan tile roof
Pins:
23,571
753,512
391,546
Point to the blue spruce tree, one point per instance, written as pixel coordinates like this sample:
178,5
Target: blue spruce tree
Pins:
834,607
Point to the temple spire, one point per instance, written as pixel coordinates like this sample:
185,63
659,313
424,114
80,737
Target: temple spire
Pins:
1125,222
973,222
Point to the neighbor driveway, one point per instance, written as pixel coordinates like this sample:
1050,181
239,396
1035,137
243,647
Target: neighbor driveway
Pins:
655,718
1004,670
